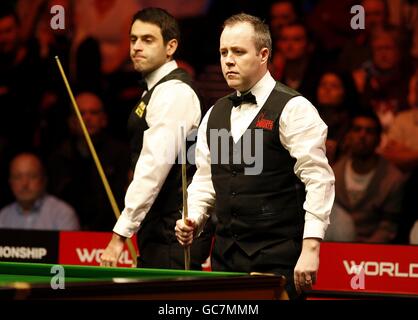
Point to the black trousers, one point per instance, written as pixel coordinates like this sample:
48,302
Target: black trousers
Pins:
171,256
159,248
265,260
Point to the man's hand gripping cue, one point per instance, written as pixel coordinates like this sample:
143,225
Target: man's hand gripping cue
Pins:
185,232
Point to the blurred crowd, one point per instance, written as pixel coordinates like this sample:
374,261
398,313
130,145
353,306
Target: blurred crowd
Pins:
363,82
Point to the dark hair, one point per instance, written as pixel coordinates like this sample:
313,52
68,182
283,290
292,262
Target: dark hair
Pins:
166,22
369,114
351,101
261,29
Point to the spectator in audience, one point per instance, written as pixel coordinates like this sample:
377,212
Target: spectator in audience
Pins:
294,63
404,14
329,22
383,81
282,13
357,50
368,187
402,151
34,208
402,147
73,174
335,100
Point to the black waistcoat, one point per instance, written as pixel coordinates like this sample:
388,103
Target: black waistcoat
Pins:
169,200
256,211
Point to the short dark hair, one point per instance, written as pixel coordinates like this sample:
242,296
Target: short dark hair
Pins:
351,98
367,112
166,22
261,30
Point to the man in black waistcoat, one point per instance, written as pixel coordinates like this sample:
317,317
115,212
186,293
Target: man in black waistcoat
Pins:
153,201
261,164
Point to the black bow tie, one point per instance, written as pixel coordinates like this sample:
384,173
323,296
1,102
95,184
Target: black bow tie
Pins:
244,98
143,84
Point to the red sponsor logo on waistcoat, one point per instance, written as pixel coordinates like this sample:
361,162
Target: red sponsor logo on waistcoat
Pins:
264,123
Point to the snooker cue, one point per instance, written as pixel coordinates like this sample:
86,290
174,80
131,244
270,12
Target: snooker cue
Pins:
99,167
184,188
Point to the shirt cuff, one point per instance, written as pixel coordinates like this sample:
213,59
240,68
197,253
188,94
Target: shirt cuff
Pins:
125,227
200,219
314,229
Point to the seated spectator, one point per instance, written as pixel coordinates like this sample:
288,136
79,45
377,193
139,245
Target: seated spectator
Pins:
402,146
329,22
383,81
357,50
336,99
294,62
404,15
368,187
73,173
402,151
34,208
282,13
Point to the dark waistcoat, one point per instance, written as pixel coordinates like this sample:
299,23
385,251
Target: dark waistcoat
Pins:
255,211
168,203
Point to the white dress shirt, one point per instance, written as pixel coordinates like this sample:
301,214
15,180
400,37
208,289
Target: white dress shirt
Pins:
302,133
173,104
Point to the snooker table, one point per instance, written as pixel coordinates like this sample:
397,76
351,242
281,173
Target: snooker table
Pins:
34,281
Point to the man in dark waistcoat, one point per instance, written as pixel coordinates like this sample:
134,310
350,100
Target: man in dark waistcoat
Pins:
153,201
261,165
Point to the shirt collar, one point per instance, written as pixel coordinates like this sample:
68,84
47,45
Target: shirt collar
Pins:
262,89
155,76
36,206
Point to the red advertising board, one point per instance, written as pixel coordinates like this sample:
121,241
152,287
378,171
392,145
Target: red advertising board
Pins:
344,267
368,268
85,248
